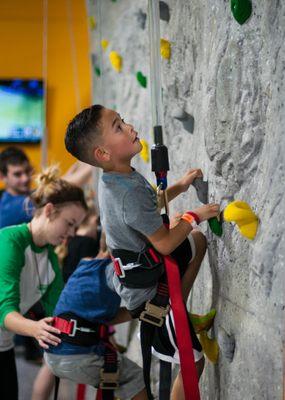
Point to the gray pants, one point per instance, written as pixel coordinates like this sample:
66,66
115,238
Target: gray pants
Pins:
85,368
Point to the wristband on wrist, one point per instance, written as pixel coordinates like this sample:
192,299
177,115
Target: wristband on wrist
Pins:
195,216
190,219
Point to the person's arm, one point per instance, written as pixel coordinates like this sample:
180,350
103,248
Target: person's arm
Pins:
166,240
140,213
54,290
12,261
78,174
122,316
40,330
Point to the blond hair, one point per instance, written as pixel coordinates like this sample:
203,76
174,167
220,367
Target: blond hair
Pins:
52,189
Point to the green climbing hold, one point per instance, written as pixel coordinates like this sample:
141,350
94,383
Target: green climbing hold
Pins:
97,71
216,226
241,10
142,79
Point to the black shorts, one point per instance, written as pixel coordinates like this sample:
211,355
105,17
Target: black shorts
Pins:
165,343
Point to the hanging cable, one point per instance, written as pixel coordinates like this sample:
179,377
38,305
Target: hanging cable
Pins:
44,143
74,58
159,152
101,62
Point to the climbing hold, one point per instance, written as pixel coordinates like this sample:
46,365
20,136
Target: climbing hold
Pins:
145,151
95,63
141,18
164,11
209,346
216,226
241,213
116,61
241,10
201,189
104,44
97,71
203,322
92,22
227,344
186,119
165,49
142,79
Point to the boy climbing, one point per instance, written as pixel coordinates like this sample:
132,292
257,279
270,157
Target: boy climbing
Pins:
136,234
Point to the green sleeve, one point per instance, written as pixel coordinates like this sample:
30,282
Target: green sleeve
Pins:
12,262
52,294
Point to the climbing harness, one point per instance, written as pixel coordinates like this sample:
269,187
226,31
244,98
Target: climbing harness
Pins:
161,270
76,330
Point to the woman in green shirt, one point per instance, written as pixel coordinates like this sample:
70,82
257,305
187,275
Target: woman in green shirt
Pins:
29,269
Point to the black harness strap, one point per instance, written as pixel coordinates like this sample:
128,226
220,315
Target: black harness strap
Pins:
56,387
165,380
147,331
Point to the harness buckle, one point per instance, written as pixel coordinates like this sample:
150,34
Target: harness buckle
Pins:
109,380
119,268
77,328
153,314
74,327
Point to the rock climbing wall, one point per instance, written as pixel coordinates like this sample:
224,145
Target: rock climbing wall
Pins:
223,105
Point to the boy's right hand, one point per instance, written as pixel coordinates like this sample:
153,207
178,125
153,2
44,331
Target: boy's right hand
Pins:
207,211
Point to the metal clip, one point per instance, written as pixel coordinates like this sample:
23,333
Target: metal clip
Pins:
74,327
81,329
153,314
109,380
119,268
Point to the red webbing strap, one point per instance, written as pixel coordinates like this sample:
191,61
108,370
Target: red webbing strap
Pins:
81,391
99,394
63,325
184,341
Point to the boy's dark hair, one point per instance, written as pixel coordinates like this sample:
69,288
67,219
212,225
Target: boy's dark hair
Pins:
81,133
12,156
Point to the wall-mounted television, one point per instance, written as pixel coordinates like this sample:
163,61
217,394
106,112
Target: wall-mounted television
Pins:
22,112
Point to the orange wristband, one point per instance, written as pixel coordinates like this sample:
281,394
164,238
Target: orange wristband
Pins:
188,218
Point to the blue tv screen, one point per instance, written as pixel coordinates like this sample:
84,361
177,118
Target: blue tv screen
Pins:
22,113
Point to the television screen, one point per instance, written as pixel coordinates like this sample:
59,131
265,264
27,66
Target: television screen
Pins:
21,110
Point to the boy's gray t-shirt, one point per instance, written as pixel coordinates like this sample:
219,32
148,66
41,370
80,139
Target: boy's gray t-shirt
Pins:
128,210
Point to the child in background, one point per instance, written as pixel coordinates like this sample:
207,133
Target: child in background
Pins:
89,299
85,243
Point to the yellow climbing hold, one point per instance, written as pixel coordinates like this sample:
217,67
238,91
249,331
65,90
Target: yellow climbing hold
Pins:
104,44
92,22
165,49
145,151
209,346
116,61
241,213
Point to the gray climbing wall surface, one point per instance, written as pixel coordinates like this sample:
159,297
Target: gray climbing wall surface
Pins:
223,103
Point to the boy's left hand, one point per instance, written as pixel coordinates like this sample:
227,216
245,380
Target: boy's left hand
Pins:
188,178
